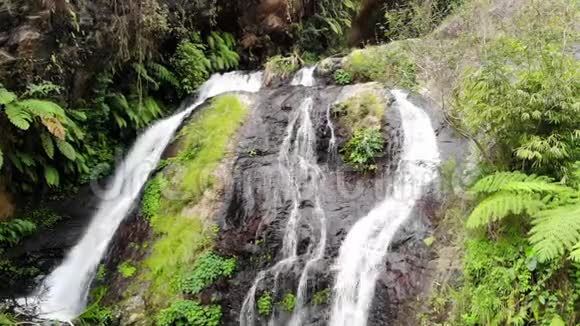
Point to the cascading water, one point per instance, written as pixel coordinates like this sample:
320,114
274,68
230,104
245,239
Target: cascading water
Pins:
301,177
304,77
64,293
363,252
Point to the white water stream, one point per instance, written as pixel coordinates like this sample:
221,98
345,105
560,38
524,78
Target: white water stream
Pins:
63,295
362,254
304,77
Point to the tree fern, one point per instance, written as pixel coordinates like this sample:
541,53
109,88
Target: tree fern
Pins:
502,204
18,116
66,149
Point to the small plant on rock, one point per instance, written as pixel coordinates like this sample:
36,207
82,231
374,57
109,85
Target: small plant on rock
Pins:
342,77
127,270
265,304
289,302
187,312
208,268
360,152
321,297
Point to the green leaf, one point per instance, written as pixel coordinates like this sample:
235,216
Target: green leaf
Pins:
47,144
51,176
66,149
6,96
18,116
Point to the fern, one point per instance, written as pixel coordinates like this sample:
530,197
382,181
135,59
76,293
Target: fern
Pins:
47,144
51,176
556,231
18,116
66,149
11,232
502,204
163,74
6,96
554,210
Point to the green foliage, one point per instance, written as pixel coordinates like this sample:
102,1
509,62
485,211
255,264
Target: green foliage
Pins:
127,270
12,231
526,100
388,64
187,312
152,196
288,302
7,319
341,77
101,273
321,297
416,18
504,284
188,175
265,304
95,314
208,268
553,208
282,67
362,149
195,60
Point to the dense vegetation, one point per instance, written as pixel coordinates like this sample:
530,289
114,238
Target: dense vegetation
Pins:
513,89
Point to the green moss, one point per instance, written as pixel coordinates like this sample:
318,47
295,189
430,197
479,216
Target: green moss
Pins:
181,238
151,202
361,111
388,64
265,304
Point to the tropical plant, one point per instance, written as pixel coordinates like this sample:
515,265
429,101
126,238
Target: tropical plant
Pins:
341,77
43,119
221,51
553,208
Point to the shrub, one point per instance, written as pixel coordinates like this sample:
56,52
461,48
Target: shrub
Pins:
526,101
191,64
289,302
389,64
127,270
265,304
341,77
187,312
208,268
360,152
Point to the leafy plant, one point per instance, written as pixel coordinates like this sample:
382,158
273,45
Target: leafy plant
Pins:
554,210
208,268
127,270
288,302
360,152
221,51
342,77
152,195
12,231
95,314
265,304
187,312
529,108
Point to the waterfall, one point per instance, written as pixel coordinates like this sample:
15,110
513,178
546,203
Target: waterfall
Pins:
300,179
63,296
363,252
304,77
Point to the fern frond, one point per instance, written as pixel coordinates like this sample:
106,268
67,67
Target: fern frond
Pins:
501,205
119,102
495,182
575,254
555,231
47,144
163,74
537,185
54,126
142,72
6,96
51,176
66,149
18,116
43,109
